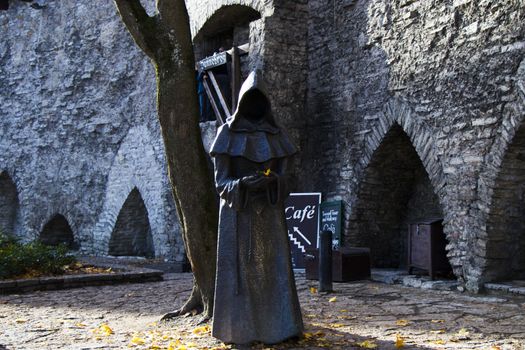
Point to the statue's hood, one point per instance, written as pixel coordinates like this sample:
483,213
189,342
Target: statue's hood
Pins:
237,122
257,141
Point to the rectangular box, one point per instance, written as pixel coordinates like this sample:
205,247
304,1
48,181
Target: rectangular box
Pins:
426,247
348,264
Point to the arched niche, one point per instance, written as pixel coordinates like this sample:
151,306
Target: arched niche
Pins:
227,27
131,235
395,190
505,246
9,204
58,231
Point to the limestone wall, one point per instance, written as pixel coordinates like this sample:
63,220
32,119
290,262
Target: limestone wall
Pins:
402,109
78,123
447,73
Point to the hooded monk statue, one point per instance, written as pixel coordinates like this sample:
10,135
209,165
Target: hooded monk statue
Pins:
255,294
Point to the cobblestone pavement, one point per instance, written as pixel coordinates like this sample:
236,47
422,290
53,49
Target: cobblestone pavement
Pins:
363,314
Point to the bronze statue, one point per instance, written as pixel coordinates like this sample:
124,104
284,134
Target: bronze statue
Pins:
255,293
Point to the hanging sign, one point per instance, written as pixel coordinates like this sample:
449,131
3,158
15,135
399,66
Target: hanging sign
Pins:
302,218
331,217
217,59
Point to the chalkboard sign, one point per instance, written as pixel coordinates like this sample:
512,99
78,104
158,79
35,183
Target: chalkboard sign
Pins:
330,220
302,218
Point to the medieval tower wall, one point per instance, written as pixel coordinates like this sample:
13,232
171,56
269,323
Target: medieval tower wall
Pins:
401,109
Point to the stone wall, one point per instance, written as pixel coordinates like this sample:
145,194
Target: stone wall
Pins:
78,123
401,109
447,73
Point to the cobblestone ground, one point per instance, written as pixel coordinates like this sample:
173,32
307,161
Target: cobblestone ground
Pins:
357,315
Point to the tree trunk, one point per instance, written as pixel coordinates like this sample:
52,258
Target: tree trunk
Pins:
190,178
166,39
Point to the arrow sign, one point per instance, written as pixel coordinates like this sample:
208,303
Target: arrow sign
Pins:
302,218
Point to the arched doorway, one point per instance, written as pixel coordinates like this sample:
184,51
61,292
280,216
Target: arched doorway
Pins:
395,190
58,231
221,51
131,235
9,204
505,246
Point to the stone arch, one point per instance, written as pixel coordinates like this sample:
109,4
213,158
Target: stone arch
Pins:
207,15
58,231
131,235
499,246
9,204
139,164
395,189
227,27
420,135
502,247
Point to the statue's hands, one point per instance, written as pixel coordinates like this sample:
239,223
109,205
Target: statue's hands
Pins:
256,181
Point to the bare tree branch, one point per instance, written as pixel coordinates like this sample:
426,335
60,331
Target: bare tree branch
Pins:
142,27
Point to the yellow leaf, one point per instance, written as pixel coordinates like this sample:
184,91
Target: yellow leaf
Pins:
313,290
367,344
402,323
106,329
203,329
343,310
438,321
336,325
439,331
172,346
137,341
20,320
438,341
494,347
80,325
463,332
400,342
103,329
332,300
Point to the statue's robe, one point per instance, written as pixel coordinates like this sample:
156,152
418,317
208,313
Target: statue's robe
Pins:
255,293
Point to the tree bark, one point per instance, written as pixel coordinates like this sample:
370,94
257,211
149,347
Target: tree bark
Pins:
166,39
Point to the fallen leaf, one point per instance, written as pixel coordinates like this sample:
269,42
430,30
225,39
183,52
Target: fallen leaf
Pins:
463,332
494,347
200,330
439,331
80,325
336,325
20,320
438,321
103,329
400,341
438,342
402,323
367,344
137,341
332,300
313,290
343,310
